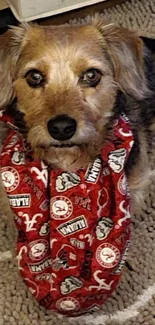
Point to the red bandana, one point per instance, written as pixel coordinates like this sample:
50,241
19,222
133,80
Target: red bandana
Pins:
73,227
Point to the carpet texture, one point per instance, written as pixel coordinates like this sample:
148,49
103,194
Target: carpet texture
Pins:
134,301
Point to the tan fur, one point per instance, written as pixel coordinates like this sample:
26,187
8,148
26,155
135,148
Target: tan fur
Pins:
62,54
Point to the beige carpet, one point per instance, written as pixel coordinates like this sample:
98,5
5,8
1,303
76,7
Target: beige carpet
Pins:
134,301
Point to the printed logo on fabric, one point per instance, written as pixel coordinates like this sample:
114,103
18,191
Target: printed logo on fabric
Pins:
44,230
73,226
60,208
36,190
10,178
44,205
67,304
122,184
123,259
43,277
30,221
107,255
86,270
103,228
39,267
124,118
18,158
101,283
70,284
66,258
13,141
20,200
106,171
93,298
38,249
93,171
92,309
46,301
103,198
41,173
116,159
66,181
32,286
77,243
83,202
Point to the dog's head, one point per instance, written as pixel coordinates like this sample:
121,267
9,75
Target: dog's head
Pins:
65,81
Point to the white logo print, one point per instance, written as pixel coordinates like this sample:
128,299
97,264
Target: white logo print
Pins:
38,249
43,174
101,282
93,171
18,158
32,287
107,255
125,134
67,180
20,200
70,284
73,226
123,259
19,257
77,243
30,223
123,185
44,205
61,207
10,178
103,228
52,241
89,238
44,230
41,266
68,304
2,113
117,159
13,141
124,117
102,200
53,276
126,213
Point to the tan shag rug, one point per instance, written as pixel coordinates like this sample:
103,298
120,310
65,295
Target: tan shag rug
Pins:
134,301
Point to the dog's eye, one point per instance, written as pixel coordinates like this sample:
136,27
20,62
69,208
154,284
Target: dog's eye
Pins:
91,77
34,78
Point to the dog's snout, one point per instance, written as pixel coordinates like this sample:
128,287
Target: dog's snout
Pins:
62,127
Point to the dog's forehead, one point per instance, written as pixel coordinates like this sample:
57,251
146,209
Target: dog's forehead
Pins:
65,35
62,42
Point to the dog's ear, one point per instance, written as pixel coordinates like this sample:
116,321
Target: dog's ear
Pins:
126,52
10,47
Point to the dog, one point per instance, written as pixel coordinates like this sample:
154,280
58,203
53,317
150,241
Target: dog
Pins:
65,85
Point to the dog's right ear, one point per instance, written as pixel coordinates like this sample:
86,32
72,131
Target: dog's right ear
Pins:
10,48
126,52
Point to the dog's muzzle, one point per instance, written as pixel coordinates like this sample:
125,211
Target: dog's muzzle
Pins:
62,127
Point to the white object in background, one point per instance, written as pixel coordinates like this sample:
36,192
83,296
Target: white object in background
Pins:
27,10
3,4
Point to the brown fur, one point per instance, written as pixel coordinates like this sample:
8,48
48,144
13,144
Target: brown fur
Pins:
62,54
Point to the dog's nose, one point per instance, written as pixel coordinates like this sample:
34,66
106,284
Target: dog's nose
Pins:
62,127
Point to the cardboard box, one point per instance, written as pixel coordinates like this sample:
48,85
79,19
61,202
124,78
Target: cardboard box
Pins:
27,10
3,4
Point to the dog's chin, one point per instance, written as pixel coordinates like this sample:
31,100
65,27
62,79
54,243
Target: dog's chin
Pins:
65,156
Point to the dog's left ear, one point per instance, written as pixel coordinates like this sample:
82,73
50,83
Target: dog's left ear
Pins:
126,53
10,47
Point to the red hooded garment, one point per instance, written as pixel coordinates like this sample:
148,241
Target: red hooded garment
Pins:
73,227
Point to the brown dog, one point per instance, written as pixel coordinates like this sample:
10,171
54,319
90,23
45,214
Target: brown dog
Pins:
69,83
